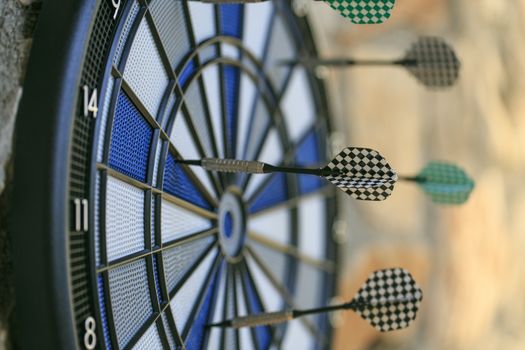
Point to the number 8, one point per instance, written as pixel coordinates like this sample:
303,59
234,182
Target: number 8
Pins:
90,338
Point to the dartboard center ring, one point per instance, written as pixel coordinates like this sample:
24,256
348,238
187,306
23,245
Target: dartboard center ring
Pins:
232,223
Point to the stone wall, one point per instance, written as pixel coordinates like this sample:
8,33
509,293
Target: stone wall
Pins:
17,23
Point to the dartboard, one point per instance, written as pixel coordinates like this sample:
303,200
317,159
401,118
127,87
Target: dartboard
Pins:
116,244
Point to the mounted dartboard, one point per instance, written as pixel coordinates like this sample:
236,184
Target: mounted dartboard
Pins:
119,246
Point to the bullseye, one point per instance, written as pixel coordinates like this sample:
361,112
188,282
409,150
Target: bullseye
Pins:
232,223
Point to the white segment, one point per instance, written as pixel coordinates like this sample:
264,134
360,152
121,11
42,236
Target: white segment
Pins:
271,298
150,339
184,300
177,222
130,299
246,99
230,51
182,139
104,118
271,153
256,21
244,333
145,71
274,225
297,336
203,20
312,227
213,88
124,219
298,105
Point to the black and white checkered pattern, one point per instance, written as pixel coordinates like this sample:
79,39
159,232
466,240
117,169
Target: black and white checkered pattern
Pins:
389,300
362,173
437,64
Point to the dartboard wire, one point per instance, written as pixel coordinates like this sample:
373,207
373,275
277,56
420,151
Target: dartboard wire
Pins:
228,61
164,308
272,107
178,89
275,122
246,339
210,279
230,298
109,311
155,125
125,260
289,154
246,277
293,251
195,209
294,202
219,22
194,57
283,291
229,149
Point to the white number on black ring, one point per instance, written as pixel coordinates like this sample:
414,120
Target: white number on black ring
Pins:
116,5
90,338
90,102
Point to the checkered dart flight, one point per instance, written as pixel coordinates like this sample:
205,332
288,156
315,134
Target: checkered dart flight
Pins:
444,183
389,300
358,11
430,60
362,173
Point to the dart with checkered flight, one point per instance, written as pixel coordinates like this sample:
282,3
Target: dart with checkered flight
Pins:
362,173
443,182
358,11
389,300
430,60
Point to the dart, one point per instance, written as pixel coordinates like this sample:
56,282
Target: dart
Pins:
360,172
430,60
445,183
359,12
389,300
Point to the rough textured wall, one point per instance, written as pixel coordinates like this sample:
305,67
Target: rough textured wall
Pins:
17,23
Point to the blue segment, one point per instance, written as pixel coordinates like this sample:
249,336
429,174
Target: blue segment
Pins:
196,335
231,92
263,334
177,183
307,155
228,225
231,25
231,19
275,192
186,73
102,303
130,140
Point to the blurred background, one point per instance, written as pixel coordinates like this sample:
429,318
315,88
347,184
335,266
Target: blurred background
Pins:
470,259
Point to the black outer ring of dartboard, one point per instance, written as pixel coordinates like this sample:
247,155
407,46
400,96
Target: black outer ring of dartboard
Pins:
40,221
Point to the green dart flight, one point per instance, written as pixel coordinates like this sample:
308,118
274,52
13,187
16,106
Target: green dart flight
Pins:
359,12
389,300
444,183
364,11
